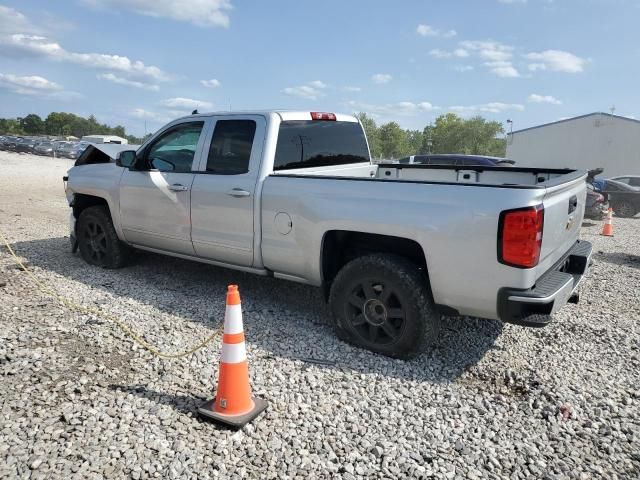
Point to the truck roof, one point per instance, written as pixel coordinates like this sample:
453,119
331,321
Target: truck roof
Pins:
285,115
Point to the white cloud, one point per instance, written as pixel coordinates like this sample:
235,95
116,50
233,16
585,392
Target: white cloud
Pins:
213,83
436,52
535,98
556,61
381,78
204,13
28,85
311,90
503,69
534,67
186,103
492,107
352,89
318,84
36,45
399,108
489,50
427,30
110,77
34,85
512,2
143,114
12,21
463,68
461,53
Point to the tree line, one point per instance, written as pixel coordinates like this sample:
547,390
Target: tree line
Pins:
448,134
62,124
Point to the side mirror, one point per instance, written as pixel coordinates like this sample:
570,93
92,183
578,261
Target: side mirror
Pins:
126,158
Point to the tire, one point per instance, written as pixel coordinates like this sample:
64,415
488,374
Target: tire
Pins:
97,239
624,210
383,303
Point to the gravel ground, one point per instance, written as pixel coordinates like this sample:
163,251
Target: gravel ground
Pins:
79,400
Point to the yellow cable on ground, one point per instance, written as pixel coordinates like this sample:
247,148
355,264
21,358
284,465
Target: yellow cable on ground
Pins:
107,316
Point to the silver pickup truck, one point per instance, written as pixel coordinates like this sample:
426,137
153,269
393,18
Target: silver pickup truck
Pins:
294,195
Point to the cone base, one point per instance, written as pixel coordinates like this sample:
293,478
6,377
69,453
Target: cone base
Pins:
234,421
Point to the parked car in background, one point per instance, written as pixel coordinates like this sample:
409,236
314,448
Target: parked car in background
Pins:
25,145
631,180
9,143
77,149
64,149
455,159
44,147
595,207
623,199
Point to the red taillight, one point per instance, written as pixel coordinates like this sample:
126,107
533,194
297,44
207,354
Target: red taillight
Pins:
323,116
520,236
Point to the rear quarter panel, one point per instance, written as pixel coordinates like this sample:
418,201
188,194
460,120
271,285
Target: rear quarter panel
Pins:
456,226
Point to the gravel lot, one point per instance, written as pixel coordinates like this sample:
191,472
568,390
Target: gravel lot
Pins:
79,400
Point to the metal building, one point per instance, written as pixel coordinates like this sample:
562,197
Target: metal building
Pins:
589,141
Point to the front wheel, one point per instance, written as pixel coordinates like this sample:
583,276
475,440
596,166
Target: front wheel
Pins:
97,239
383,303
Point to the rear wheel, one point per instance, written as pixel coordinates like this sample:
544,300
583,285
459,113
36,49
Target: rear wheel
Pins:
97,239
383,303
625,209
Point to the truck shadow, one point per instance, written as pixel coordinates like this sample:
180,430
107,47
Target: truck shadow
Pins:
619,258
282,319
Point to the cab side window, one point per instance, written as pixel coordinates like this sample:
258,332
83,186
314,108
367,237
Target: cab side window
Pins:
231,145
175,149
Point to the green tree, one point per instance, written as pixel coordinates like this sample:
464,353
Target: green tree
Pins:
447,135
371,130
393,141
475,136
10,126
32,124
414,141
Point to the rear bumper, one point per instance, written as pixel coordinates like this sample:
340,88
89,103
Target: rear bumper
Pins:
533,307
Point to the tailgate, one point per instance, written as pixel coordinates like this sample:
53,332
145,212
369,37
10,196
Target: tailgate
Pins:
563,213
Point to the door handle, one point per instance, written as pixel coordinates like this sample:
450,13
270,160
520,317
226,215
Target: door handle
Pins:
176,187
238,192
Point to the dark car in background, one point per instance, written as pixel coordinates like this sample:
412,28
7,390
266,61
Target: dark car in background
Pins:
44,147
9,142
77,150
71,150
25,145
457,160
623,199
631,180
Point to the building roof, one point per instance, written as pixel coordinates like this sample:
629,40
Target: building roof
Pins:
576,118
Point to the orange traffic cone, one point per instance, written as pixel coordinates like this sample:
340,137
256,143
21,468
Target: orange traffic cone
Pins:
233,404
607,228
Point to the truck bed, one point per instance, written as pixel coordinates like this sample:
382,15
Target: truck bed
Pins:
455,225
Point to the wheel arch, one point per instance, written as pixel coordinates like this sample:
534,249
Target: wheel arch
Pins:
341,246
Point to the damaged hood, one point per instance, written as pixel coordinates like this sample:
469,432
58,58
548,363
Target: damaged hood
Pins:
112,149
103,153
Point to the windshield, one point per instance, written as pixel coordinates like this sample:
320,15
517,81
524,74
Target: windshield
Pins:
312,143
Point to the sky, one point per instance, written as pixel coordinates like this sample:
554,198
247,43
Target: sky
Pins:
141,63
